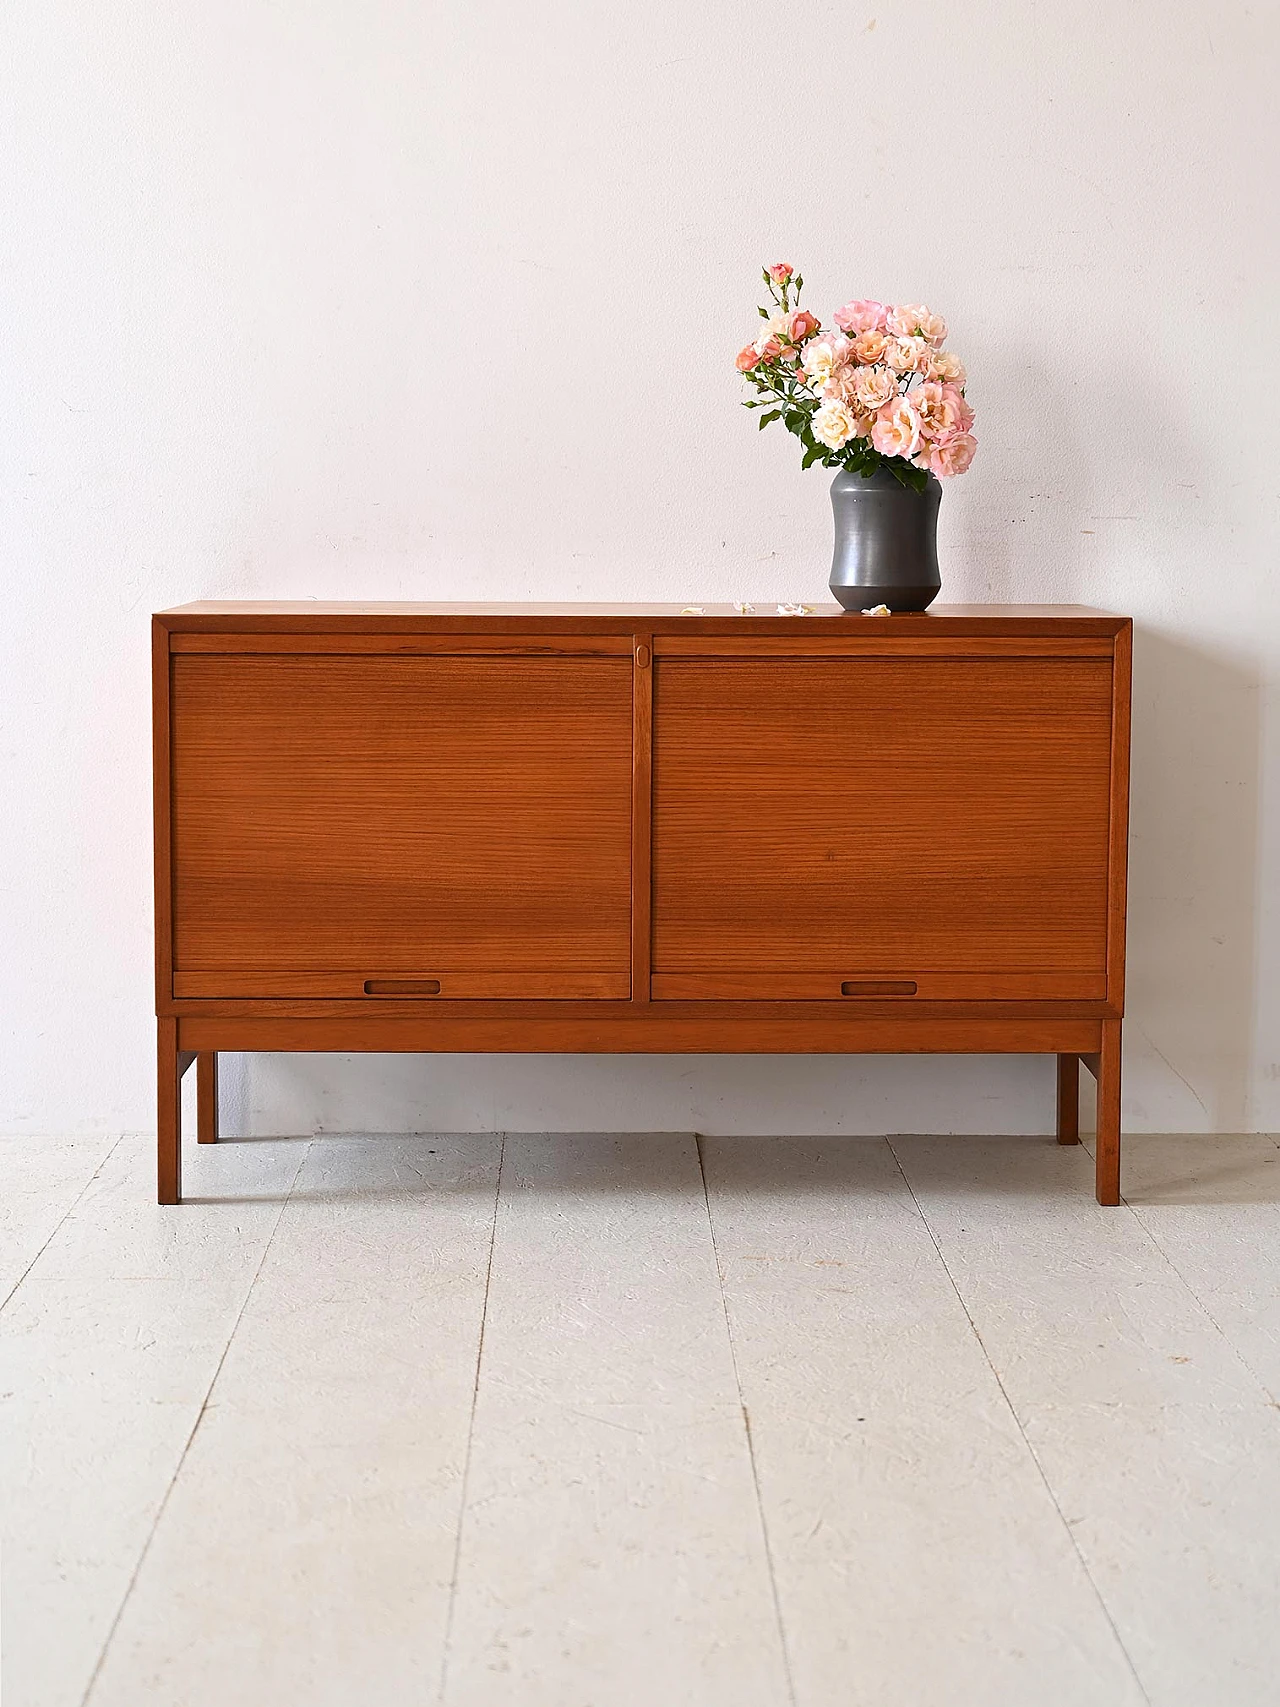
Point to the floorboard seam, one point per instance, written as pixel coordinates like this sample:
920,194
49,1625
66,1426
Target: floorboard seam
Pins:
746,1429
471,1430
1199,1302
1017,1422
61,1221
195,1428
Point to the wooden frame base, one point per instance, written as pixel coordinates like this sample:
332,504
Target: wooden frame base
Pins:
1068,1099
199,1038
1104,1064
207,1097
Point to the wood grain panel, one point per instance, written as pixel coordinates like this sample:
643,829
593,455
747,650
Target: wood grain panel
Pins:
451,984
922,815
1118,899
401,814
641,814
161,791
655,1033
857,643
923,986
488,645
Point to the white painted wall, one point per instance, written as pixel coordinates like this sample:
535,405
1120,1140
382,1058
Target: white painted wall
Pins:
385,298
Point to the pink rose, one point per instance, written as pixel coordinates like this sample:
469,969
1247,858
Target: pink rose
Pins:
963,409
780,272
913,319
869,347
861,317
801,324
944,414
747,358
951,458
936,415
873,387
897,429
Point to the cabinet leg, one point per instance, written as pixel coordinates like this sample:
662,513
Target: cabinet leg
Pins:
169,1067
207,1097
1068,1099
1107,1158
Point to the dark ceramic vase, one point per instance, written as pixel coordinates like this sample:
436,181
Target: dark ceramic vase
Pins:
886,542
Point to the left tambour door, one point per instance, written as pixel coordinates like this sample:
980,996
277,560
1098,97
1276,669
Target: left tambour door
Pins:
401,824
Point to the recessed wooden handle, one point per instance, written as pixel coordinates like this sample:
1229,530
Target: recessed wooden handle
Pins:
402,986
876,987
642,656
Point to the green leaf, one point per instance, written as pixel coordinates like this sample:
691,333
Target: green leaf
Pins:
763,313
811,456
771,416
907,475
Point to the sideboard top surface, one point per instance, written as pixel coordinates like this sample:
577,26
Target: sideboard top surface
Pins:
307,615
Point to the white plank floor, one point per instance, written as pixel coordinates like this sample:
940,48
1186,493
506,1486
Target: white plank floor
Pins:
640,1422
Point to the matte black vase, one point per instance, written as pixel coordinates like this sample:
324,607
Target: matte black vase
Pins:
886,542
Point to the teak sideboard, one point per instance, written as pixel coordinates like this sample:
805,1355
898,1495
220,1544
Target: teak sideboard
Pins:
507,828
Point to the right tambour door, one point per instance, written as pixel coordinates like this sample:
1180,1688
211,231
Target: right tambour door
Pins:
866,826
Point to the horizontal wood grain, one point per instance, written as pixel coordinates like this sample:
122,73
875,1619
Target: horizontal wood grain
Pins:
391,617
853,643
876,813
399,814
622,1034
889,1007
342,644
925,986
451,984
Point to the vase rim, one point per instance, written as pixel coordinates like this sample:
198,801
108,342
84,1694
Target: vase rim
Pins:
882,477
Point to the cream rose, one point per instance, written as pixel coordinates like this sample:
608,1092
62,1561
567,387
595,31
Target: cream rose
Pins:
914,319
943,365
773,331
932,328
822,356
834,425
906,355
873,387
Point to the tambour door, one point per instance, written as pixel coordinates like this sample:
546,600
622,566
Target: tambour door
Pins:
880,826
400,825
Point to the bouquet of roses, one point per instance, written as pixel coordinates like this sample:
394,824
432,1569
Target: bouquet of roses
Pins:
876,391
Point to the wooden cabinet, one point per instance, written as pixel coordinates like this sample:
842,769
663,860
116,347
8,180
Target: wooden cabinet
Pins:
448,828
344,820
935,821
